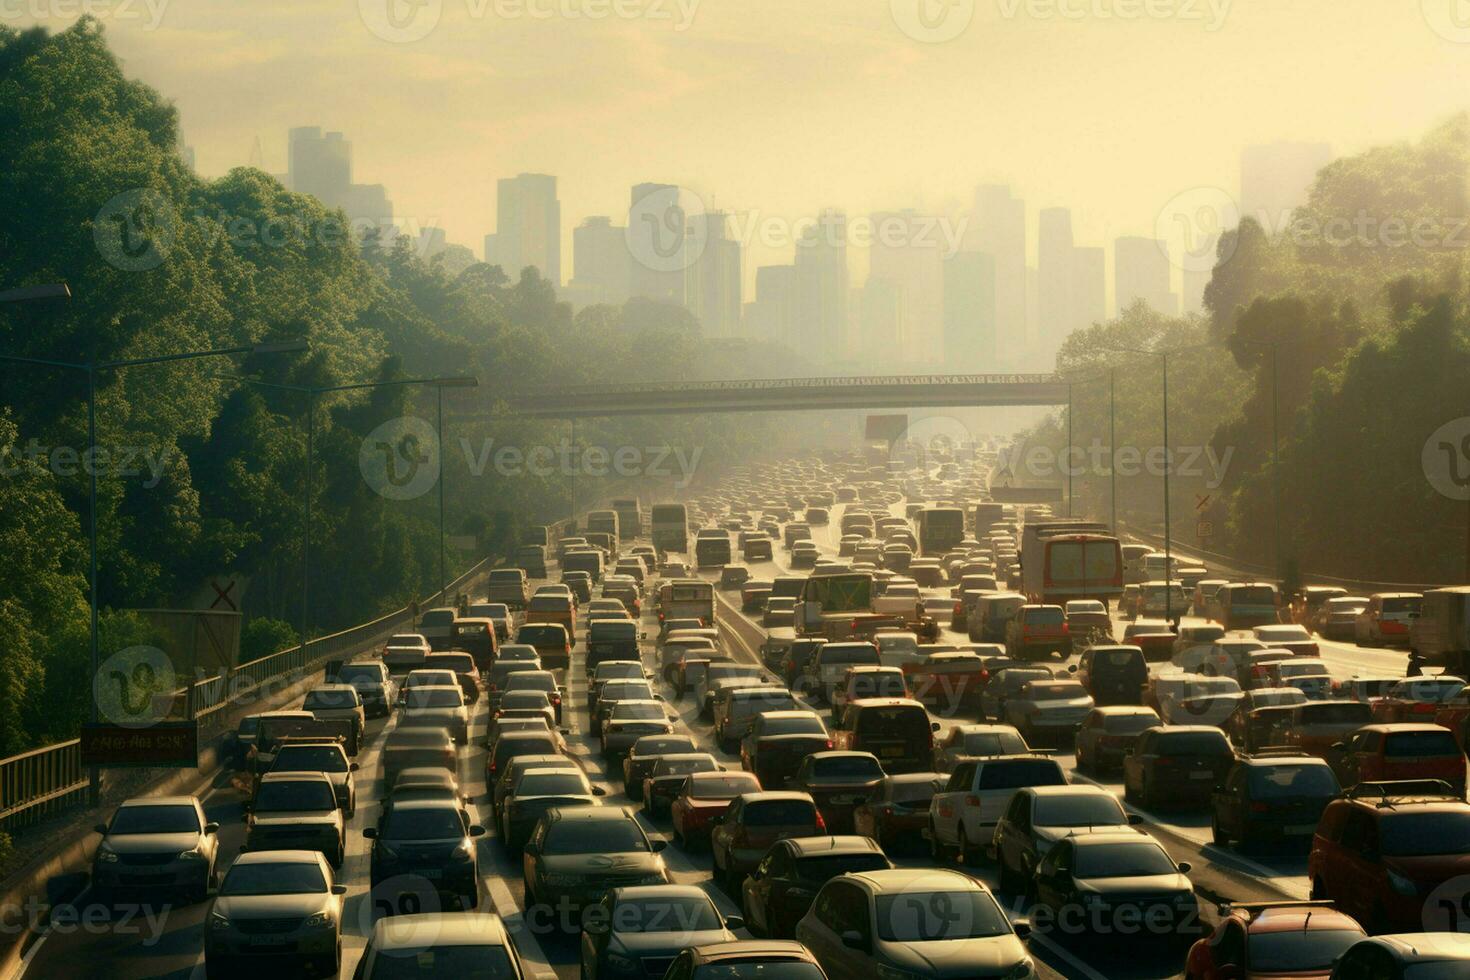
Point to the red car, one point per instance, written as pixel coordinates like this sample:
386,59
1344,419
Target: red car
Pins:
1377,753
1416,698
1267,940
706,795
899,811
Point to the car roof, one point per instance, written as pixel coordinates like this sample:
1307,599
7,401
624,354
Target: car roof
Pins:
1298,918
160,801
1427,947
277,857
899,879
588,814
1071,789
439,929
1403,726
840,844
743,949
296,776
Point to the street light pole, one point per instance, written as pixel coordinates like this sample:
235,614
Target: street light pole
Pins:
1168,530
1113,446
1069,449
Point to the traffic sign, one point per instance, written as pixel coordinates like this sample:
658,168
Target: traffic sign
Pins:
1204,530
166,743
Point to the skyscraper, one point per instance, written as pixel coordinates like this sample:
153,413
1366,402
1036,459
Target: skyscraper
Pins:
320,164
658,242
969,312
822,287
908,253
998,228
1275,178
772,315
1141,271
712,281
882,319
528,226
1054,278
1089,287
599,262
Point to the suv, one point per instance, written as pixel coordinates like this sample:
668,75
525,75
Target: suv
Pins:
1113,674
963,816
867,681
1272,797
1037,632
1295,939
1176,763
1384,847
896,730
508,585
1376,753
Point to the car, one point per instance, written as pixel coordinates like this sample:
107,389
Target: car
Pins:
1379,753
296,811
158,844
749,959
921,922
897,812
1108,733
535,792
1277,939
444,706
414,747
777,741
576,854
1237,725
552,640
536,680
276,909
1383,848
635,933
701,799
1271,798
1337,619
666,779
1287,636
429,841
1113,674
1417,698
1049,710
1176,765
778,611
1318,726
513,744
896,730
838,781
526,704
753,821
1037,817
780,890
630,720
511,772
1309,675
430,944
977,741
733,577
1105,879
374,685
1386,618
645,752
1005,684
736,708
1411,956
1037,631
466,669
324,756
868,681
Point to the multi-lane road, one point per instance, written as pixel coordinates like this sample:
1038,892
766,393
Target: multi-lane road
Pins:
168,942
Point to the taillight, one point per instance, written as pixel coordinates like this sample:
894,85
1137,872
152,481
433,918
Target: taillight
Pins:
972,800
829,743
821,824
959,607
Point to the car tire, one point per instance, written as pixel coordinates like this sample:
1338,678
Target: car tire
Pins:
965,855
937,851
1218,835
1007,878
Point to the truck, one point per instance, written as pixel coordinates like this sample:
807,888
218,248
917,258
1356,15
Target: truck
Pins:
1064,559
687,599
840,607
630,517
712,548
1440,633
670,527
939,529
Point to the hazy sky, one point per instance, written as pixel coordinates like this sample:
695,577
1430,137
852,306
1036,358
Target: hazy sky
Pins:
782,107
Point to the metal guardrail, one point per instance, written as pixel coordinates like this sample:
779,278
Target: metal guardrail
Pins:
763,384
46,780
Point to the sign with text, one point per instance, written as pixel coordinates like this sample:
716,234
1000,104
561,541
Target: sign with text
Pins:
167,743
1204,530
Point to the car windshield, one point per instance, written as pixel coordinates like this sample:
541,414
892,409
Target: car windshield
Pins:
283,878
911,916
423,823
461,962
542,634
553,784
663,746
358,673
434,697
848,768
1129,724
1089,810
1044,616
617,836
798,725
683,767
294,796
155,820
636,711
310,758
1292,780
681,914
1014,775
1131,860
723,787
905,722
1303,951
824,867
1401,745
779,813
1434,832
993,743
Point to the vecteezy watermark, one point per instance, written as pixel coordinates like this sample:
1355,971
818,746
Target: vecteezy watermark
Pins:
406,21
134,688
150,12
932,21
134,230
107,462
1094,459
931,439
1447,908
94,919
400,458
1100,917
1190,226
1450,19
1210,13
565,459
1446,459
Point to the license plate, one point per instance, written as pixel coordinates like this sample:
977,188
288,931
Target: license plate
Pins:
1201,775
433,874
269,940
1301,828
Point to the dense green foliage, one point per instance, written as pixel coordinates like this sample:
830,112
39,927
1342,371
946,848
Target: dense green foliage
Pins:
237,261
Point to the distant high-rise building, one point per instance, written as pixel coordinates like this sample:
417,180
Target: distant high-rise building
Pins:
599,261
1089,287
1055,317
822,287
1275,179
1141,271
712,281
492,252
882,318
320,164
658,243
998,228
772,316
907,252
1193,296
528,226
969,312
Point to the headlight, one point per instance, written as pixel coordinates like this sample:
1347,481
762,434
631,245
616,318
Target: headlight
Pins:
1023,970
464,851
1401,884
106,855
194,855
217,921
317,920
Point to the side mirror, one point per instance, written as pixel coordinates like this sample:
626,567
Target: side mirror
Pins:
934,726
476,830
733,922
339,889
211,828
1134,820
100,828
370,833
1072,669
1184,867
852,939
659,845
598,791
1022,927
352,767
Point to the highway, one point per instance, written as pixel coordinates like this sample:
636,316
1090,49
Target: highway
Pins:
170,945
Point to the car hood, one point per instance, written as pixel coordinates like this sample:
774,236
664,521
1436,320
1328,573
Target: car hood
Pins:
957,957
1047,836
1069,704
152,843
270,906
1138,885
593,864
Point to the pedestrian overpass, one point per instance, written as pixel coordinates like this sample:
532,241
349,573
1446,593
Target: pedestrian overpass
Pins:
789,395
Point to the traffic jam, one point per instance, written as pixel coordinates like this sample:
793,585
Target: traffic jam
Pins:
826,718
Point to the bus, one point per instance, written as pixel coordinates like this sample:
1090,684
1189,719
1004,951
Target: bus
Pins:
712,549
1061,561
940,529
630,517
604,522
670,527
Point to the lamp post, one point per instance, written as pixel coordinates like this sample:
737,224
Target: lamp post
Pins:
91,368
314,392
